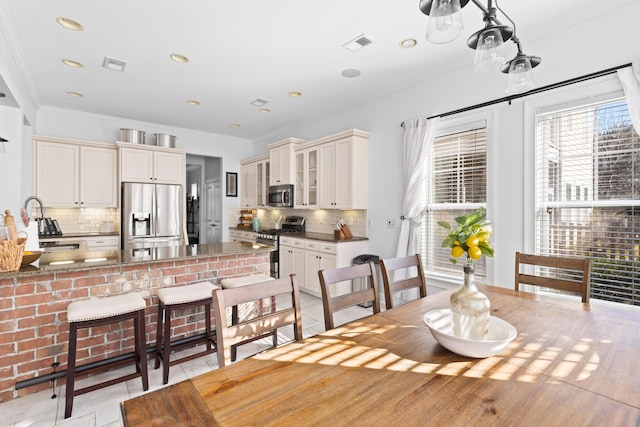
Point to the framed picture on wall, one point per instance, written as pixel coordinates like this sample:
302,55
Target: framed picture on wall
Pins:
232,184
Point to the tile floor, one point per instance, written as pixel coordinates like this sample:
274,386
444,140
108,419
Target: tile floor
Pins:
101,407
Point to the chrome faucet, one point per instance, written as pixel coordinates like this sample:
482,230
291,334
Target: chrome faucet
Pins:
37,199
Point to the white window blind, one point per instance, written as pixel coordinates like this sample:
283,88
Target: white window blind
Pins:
588,194
456,184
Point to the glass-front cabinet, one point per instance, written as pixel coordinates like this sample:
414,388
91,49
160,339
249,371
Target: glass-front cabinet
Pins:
306,178
262,187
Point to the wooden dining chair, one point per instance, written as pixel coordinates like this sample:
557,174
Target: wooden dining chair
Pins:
332,304
283,313
565,274
391,286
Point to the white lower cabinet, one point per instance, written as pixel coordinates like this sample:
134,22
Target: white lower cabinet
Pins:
316,260
305,257
106,243
242,236
292,258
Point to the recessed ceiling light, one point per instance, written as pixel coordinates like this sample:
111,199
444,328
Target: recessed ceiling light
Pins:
69,24
235,125
75,94
264,110
408,43
295,94
350,73
192,102
70,63
179,58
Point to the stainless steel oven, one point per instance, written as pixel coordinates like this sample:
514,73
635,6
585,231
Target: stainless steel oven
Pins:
271,237
281,196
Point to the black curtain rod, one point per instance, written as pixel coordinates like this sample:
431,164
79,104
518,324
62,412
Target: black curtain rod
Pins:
534,91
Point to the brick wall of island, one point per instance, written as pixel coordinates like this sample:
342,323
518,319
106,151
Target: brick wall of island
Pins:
33,325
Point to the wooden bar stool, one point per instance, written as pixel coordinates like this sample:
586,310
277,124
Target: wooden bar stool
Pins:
99,312
180,298
236,282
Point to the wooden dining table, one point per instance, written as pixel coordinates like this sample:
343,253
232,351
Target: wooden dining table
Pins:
571,364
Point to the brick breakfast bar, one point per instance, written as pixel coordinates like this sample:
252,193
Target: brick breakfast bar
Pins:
34,330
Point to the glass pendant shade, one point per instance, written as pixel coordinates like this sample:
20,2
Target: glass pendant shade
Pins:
520,77
489,51
445,21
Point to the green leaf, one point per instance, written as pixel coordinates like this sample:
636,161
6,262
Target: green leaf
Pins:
475,217
462,220
448,241
486,249
444,224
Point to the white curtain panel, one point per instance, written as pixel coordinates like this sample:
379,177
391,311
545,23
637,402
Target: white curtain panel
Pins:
630,80
418,139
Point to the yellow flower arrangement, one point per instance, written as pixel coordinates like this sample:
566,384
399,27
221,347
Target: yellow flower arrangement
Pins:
471,238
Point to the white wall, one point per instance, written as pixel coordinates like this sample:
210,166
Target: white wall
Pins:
11,161
568,53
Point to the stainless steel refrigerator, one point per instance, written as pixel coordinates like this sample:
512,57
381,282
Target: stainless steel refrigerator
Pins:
151,215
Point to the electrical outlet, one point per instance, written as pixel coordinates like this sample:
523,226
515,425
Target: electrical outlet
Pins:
391,223
350,221
370,222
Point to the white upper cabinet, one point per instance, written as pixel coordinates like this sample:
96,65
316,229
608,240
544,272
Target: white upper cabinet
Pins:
71,174
248,185
306,182
327,173
151,164
254,182
263,173
343,174
281,158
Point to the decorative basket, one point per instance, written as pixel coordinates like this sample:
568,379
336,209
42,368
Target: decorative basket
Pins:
11,253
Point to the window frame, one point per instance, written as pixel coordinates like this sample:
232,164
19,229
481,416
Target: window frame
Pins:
603,89
459,123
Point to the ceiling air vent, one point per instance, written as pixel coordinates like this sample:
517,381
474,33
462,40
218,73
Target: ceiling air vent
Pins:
259,102
357,43
113,64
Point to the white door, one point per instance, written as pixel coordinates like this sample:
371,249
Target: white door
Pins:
213,211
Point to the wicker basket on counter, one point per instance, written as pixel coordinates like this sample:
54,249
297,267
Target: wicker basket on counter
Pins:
11,253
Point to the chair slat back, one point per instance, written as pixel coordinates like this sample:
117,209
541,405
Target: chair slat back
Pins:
332,304
228,335
580,267
390,266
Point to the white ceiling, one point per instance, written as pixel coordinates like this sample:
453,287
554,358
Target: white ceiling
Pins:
243,50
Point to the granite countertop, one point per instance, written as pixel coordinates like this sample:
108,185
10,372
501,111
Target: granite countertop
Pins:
324,237
83,260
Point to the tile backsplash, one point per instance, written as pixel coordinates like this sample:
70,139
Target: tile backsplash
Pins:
83,219
317,220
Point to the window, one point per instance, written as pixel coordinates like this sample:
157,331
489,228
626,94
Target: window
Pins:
456,184
595,150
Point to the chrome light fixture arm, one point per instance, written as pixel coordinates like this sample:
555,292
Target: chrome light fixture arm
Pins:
534,60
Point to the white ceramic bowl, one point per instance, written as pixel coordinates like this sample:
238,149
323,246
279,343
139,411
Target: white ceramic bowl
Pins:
500,334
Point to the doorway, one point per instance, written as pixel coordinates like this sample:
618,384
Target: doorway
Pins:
204,204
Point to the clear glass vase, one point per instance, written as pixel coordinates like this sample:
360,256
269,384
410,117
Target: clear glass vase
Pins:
470,309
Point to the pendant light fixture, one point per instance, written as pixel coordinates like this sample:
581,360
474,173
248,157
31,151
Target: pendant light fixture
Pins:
445,25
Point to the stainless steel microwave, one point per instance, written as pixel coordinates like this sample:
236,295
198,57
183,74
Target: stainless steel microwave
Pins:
281,196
